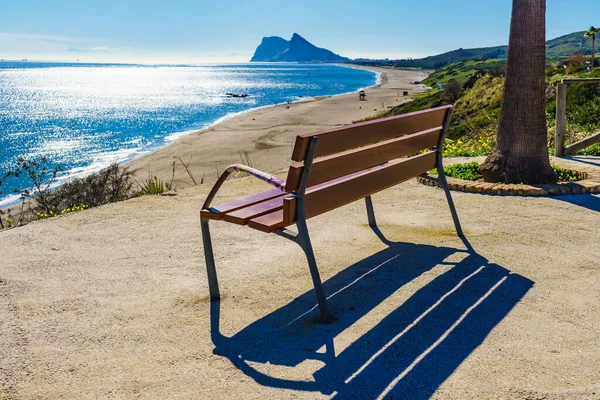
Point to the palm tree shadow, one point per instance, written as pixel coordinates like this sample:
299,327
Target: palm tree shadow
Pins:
589,201
409,352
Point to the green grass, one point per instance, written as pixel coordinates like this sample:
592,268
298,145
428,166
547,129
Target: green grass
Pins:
470,172
593,150
477,109
565,175
462,71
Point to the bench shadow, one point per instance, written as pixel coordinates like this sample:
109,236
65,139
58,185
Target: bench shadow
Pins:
408,351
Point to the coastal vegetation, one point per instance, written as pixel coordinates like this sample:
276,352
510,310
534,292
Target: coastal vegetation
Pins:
477,104
44,201
471,172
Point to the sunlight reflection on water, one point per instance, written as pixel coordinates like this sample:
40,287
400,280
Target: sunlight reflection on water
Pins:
83,117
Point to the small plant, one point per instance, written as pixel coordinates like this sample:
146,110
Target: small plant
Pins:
39,216
153,186
41,179
469,171
593,150
188,170
565,175
245,159
9,222
482,146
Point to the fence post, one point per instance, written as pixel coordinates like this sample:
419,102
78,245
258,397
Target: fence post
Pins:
561,120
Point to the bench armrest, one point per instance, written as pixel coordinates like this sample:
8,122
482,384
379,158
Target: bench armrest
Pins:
263,176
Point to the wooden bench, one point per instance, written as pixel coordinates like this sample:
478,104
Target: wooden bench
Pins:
334,168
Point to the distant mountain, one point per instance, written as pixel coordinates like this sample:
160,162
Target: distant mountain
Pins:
269,48
297,49
568,45
434,62
564,46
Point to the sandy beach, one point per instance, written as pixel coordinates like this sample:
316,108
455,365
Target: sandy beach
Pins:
267,135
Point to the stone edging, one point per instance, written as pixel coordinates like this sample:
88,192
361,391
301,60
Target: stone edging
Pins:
589,185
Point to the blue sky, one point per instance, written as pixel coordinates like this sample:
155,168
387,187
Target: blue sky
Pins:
217,30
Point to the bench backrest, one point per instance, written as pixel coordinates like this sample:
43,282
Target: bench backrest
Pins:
354,161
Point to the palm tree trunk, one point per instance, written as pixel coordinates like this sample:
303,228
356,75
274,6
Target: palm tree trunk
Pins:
521,153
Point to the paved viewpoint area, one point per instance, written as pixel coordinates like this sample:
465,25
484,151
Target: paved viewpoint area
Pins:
112,302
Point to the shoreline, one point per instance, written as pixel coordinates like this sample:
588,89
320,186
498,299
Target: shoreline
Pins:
265,145
264,136
178,135
11,201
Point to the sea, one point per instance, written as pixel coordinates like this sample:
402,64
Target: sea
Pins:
83,117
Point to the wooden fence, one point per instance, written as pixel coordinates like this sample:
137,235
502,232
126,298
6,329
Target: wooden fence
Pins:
561,120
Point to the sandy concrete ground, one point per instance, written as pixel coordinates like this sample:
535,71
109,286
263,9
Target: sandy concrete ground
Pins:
267,135
111,302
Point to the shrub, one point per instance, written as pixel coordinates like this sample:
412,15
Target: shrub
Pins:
468,171
452,91
108,186
41,202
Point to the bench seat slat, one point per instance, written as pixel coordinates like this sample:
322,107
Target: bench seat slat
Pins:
217,213
338,165
243,215
269,223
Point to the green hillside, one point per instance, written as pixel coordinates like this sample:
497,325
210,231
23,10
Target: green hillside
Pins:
465,72
475,88
434,62
561,47
569,45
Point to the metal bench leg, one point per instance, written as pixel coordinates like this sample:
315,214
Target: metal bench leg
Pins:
370,212
304,242
213,283
444,185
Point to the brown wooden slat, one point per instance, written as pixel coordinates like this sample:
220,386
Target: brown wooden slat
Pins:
575,147
243,215
331,167
344,191
364,133
217,213
269,222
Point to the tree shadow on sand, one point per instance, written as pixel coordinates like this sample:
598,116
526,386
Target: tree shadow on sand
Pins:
589,201
410,351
